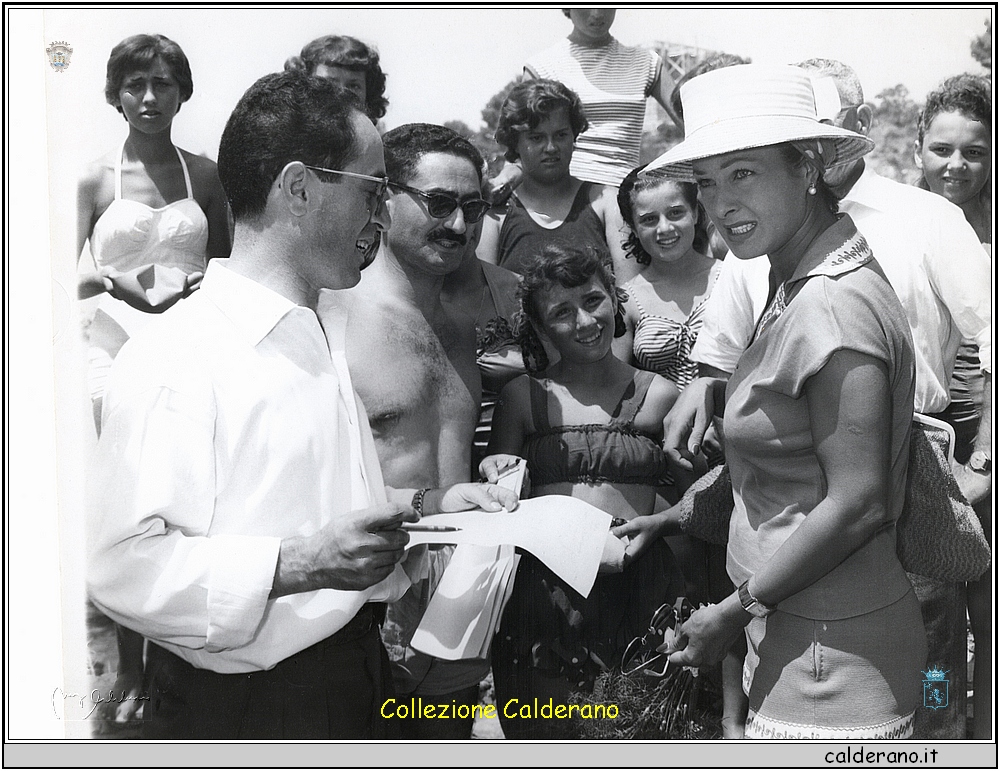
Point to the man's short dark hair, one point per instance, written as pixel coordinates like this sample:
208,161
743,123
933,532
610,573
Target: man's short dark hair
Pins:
529,103
283,117
407,144
138,52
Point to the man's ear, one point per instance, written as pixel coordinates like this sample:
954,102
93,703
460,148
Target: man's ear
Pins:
866,119
292,188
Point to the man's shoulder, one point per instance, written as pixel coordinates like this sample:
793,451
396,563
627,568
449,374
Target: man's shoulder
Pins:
899,199
191,330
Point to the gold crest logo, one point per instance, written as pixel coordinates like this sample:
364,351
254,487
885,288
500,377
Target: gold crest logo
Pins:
59,53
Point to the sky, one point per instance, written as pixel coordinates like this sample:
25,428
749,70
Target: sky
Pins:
445,64
442,64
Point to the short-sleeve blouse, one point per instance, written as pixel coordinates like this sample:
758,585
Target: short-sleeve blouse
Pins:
839,300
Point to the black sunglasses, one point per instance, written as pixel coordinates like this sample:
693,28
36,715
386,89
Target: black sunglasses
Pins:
442,205
648,654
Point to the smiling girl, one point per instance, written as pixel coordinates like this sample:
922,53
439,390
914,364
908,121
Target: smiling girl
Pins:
668,239
589,426
954,148
954,151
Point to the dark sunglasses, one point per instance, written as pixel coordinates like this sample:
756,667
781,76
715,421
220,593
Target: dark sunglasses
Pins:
648,654
441,205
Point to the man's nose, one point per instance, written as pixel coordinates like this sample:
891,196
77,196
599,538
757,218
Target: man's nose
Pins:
456,221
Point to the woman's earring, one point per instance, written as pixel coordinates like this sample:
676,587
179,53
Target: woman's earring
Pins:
812,189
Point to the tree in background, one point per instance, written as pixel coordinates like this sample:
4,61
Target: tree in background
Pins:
982,47
893,133
484,138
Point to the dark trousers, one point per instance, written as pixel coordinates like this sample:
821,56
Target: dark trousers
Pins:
442,730
331,690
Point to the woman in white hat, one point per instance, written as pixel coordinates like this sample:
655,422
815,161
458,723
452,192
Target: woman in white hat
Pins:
816,427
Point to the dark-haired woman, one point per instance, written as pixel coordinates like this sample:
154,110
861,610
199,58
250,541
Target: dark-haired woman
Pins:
153,213
668,238
589,426
817,424
539,123
349,62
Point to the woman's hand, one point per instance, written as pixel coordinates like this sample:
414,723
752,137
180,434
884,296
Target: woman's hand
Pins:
706,637
689,419
492,466
151,288
644,531
500,188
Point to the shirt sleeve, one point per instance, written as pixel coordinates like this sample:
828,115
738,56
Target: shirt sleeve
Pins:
730,313
959,269
655,65
155,565
828,316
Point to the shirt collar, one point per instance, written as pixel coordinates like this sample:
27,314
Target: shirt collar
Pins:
839,249
252,308
861,186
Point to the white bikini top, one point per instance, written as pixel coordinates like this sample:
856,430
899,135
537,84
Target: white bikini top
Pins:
130,234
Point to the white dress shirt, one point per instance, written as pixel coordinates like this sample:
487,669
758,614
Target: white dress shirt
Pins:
930,255
229,424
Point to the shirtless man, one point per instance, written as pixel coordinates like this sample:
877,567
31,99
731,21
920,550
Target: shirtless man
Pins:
413,362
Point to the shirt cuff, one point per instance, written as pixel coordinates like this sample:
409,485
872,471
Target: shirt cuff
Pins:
242,575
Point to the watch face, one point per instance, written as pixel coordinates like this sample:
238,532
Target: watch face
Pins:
979,461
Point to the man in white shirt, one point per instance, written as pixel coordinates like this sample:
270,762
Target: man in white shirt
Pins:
238,518
942,276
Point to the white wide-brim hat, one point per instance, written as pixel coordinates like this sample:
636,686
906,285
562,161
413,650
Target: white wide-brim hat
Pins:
752,105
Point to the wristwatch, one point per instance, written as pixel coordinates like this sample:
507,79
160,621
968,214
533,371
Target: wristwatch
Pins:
980,461
751,604
417,504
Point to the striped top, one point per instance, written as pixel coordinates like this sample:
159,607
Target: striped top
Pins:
662,345
613,82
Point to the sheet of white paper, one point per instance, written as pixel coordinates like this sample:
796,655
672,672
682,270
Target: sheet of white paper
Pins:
461,615
567,534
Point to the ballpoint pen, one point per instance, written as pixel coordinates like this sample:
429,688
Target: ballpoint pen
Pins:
418,528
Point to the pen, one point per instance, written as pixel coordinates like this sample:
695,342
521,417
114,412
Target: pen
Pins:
431,528
510,470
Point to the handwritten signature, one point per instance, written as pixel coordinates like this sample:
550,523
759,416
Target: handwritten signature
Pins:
96,698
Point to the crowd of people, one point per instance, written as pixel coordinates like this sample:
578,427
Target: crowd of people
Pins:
335,332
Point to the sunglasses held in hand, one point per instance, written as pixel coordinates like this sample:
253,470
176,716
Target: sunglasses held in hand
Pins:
649,654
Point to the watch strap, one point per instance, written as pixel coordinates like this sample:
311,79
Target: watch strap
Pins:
751,604
417,504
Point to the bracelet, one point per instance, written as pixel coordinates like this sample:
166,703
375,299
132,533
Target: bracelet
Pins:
417,504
